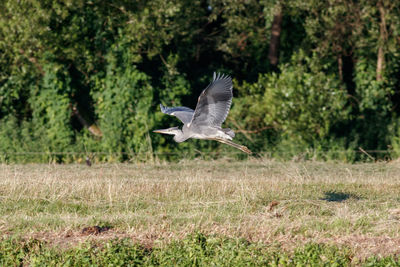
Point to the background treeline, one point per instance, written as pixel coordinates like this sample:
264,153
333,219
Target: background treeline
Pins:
311,78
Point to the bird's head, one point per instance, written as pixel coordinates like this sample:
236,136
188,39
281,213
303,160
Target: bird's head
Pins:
178,134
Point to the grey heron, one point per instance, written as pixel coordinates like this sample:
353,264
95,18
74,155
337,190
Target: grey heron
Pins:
205,121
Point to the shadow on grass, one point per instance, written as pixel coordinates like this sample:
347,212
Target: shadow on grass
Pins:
333,196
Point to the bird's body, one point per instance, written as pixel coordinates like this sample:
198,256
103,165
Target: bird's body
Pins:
205,121
203,132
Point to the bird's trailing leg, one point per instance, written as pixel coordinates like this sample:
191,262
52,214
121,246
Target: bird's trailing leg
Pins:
230,143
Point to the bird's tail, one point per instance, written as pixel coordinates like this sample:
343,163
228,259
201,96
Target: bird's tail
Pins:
229,132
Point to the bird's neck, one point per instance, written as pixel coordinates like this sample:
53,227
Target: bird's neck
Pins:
180,136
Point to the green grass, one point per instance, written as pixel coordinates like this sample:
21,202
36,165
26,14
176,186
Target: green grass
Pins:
195,250
281,206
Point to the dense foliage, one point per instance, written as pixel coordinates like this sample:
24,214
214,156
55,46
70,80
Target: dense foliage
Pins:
194,250
312,78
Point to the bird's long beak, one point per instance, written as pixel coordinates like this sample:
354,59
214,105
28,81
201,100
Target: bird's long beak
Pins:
162,131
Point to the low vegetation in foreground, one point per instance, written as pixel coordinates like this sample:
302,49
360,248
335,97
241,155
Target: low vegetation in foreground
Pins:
200,213
195,250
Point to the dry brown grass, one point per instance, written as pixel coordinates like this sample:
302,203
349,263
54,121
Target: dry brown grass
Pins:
282,204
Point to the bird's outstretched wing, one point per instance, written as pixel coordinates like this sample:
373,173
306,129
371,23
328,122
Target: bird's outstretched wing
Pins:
214,102
183,113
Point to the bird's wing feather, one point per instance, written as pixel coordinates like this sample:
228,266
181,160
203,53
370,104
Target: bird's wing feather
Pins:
214,102
183,113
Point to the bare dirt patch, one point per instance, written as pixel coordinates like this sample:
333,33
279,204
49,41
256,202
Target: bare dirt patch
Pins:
362,246
94,230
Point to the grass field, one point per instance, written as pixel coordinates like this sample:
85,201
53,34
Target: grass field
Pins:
261,207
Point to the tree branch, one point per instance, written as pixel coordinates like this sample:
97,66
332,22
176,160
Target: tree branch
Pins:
93,128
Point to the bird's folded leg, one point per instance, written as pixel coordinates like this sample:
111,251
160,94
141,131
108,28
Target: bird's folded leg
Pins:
230,143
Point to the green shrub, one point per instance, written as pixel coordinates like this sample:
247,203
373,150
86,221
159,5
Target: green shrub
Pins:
194,250
302,106
123,100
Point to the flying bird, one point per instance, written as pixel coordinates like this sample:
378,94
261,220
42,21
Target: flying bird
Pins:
205,121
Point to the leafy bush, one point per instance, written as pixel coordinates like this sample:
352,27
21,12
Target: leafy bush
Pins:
336,86
301,105
123,99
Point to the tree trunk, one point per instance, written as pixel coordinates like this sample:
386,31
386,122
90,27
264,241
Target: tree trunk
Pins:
340,67
273,53
380,65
